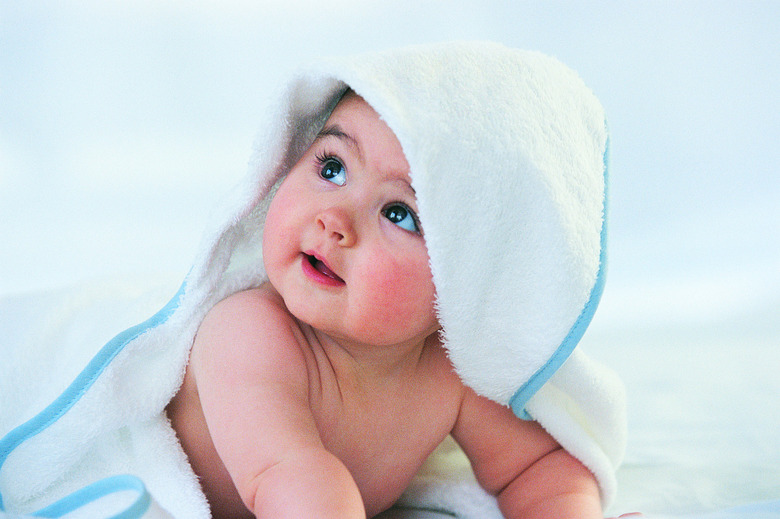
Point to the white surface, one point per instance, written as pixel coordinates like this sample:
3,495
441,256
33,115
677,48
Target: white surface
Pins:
120,121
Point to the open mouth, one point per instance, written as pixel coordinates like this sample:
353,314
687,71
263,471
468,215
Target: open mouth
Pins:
317,269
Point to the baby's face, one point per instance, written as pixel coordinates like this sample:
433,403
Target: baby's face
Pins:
342,243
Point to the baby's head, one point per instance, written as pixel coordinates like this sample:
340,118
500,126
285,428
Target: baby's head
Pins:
342,242
505,150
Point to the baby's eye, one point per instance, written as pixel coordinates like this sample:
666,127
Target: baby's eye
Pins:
402,216
333,171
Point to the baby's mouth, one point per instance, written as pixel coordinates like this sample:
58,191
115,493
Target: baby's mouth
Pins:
322,268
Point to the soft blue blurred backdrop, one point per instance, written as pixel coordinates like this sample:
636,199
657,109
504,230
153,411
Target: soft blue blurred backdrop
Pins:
119,121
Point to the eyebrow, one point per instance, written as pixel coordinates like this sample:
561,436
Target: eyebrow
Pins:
336,131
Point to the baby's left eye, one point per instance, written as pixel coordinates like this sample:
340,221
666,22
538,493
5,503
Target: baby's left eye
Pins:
402,216
332,170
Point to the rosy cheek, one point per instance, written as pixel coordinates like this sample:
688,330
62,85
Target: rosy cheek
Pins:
399,292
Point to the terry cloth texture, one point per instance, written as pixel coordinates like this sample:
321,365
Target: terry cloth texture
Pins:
507,153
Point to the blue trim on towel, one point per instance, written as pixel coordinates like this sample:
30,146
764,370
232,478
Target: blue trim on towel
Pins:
538,379
63,403
98,490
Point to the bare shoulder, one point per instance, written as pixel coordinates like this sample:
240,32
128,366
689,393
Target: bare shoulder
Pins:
442,370
247,333
441,383
248,309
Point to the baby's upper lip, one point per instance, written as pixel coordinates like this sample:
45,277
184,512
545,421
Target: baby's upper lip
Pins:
319,263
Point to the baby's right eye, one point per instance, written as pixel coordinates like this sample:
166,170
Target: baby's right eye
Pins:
332,170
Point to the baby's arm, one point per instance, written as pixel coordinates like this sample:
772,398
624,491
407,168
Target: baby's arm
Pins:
531,475
252,380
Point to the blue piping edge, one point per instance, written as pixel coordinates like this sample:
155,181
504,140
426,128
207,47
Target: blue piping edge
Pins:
91,493
81,384
538,379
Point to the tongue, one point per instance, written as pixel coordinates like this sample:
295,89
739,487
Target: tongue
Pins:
322,268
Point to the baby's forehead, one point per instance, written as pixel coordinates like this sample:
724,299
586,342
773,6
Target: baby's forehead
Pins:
351,102
366,137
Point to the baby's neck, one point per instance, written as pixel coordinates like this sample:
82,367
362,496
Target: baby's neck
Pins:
367,364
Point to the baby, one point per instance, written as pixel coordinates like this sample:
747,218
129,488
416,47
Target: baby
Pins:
321,392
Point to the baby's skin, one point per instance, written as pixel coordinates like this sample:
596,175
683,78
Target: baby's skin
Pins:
320,393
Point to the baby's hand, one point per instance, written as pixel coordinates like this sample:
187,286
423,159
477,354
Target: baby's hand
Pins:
632,514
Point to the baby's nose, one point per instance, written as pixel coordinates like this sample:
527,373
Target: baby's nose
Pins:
337,223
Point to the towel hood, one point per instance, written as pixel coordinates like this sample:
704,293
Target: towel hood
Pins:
507,154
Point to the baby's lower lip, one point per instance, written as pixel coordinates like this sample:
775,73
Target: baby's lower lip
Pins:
316,270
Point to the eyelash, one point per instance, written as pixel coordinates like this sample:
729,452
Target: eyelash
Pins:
323,157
